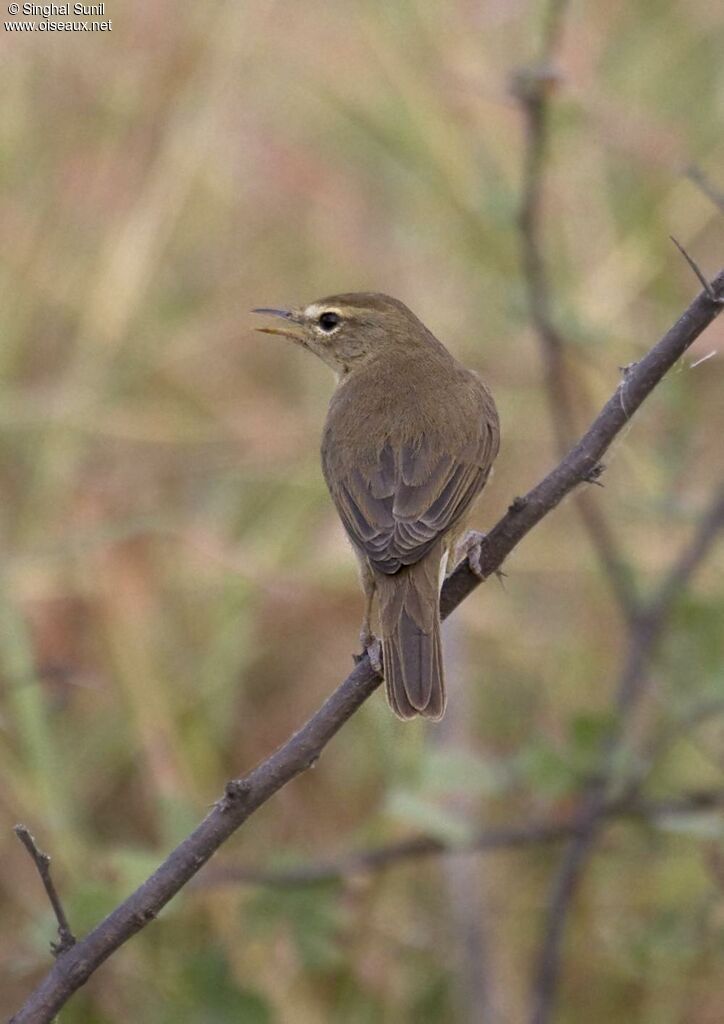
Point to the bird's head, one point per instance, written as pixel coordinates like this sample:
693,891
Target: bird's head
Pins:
347,330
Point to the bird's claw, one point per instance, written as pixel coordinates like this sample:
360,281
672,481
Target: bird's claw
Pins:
371,647
471,547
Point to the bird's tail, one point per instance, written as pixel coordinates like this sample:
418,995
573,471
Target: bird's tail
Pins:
411,646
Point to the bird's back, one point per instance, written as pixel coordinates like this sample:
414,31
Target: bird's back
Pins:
403,400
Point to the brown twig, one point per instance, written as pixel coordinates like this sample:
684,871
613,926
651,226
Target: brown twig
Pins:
243,796
491,840
630,689
42,863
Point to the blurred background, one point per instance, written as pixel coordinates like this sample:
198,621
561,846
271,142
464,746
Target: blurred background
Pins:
177,594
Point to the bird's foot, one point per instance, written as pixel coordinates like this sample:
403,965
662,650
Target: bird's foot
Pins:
471,547
372,647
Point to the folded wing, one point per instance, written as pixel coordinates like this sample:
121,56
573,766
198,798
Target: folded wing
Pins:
395,512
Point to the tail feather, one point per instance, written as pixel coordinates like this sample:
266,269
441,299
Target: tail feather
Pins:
412,654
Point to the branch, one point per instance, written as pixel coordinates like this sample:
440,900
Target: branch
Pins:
581,461
42,863
509,837
630,689
533,89
243,796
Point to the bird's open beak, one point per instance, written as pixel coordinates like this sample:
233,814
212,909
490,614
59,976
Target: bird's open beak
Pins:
286,314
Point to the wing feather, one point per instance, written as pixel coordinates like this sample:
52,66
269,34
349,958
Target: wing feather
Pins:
396,511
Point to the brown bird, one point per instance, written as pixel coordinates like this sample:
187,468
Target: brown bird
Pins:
408,444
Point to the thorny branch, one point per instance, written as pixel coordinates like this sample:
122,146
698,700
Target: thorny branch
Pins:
244,795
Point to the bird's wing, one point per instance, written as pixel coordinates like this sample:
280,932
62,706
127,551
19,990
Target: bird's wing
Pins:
396,512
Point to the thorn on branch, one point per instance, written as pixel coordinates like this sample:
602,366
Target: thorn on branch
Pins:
703,359
517,505
235,792
42,863
706,285
592,477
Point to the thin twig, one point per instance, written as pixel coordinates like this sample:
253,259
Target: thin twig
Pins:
491,840
629,691
243,796
42,863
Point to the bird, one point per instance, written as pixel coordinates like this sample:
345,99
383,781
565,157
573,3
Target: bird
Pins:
408,444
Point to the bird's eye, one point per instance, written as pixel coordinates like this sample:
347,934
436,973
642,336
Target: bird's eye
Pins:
328,321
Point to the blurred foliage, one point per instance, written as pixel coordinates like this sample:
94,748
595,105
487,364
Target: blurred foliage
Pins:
176,594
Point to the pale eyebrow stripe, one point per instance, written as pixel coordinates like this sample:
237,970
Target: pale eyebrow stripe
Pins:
316,308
